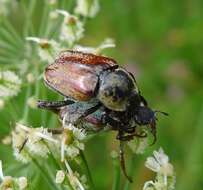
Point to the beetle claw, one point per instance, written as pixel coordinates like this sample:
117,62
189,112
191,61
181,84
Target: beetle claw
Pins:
154,140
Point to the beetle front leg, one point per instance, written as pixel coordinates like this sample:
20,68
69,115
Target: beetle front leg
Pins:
130,136
122,159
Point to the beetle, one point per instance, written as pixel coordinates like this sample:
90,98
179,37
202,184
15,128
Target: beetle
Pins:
98,84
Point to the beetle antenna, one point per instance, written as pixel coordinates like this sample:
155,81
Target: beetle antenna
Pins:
122,161
162,112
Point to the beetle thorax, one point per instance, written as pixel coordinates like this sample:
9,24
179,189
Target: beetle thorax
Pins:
115,88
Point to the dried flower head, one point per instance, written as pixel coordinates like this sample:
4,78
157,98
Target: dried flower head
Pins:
60,176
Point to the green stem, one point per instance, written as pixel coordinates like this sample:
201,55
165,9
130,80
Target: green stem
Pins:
116,178
57,165
45,174
132,169
87,169
26,107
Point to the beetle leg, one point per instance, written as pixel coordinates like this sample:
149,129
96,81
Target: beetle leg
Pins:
90,111
153,131
130,136
130,129
114,124
76,117
23,145
122,159
55,131
53,105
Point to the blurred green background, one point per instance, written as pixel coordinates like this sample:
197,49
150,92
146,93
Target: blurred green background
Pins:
161,42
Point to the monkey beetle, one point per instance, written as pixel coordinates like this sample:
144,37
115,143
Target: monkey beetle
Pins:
98,93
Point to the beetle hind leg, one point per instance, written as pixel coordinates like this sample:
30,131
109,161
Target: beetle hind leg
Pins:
53,105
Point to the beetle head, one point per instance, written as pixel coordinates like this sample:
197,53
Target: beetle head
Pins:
146,116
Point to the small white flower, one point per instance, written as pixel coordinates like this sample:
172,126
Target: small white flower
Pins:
7,182
72,28
107,43
73,178
160,163
87,8
114,154
22,182
32,102
7,140
53,15
48,49
30,78
71,142
60,176
165,177
10,84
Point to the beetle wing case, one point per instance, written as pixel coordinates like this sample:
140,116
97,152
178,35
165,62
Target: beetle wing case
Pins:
75,74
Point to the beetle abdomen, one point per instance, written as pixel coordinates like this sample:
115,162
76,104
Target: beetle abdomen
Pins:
92,122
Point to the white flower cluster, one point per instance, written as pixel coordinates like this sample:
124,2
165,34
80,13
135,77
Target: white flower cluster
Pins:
72,28
30,142
71,141
9,183
10,85
71,31
165,178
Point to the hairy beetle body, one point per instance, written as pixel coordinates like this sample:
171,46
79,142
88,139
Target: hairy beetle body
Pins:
98,95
